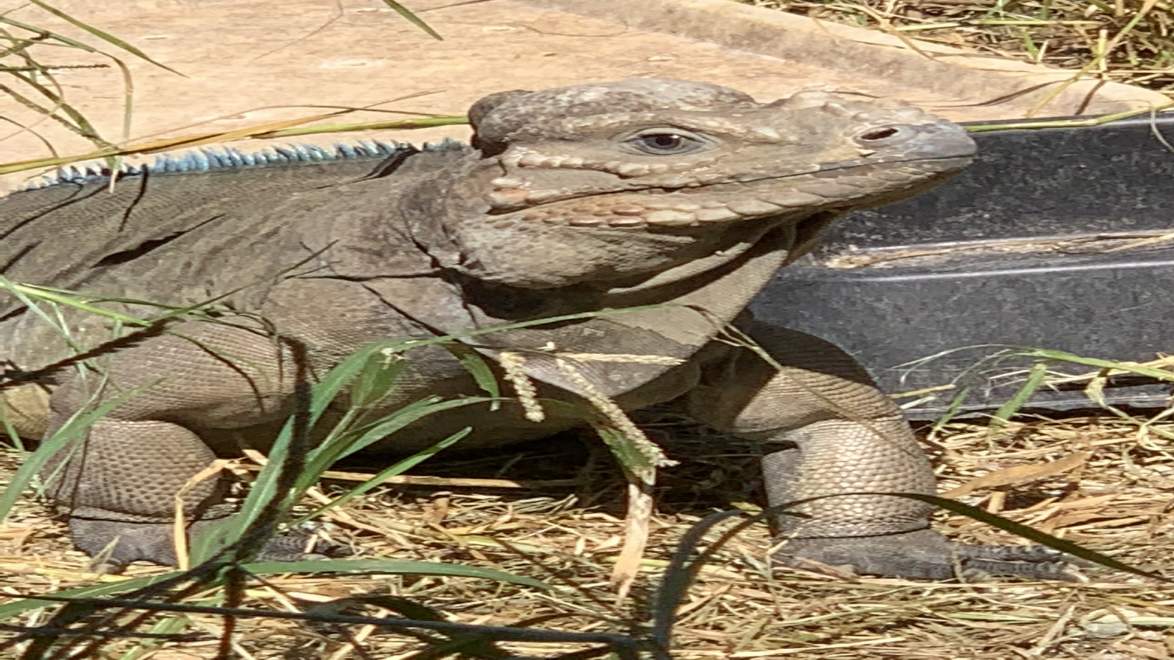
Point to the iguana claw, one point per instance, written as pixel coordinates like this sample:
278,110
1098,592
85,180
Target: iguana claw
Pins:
925,555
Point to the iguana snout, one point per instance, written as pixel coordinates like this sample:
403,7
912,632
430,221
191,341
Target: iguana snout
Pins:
629,179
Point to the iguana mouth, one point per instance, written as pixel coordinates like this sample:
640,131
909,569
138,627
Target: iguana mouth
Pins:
724,201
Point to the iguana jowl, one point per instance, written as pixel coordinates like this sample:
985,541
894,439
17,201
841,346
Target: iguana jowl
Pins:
573,199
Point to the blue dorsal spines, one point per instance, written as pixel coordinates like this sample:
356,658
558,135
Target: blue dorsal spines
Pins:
196,161
214,159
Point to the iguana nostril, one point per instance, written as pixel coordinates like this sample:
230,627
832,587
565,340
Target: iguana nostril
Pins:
879,133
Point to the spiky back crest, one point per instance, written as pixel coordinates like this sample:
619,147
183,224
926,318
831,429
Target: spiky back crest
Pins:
213,159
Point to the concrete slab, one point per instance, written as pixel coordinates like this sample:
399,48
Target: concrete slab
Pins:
249,61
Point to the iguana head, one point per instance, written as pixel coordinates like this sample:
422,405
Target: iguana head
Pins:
612,183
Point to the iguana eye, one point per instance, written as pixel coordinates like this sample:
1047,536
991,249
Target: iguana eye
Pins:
665,142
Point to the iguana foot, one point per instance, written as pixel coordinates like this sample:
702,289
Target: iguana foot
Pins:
925,555
115,543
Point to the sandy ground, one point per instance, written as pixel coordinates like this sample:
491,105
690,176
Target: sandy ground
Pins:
237,63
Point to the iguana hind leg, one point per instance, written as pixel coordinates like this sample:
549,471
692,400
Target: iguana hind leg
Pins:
119,483
840,434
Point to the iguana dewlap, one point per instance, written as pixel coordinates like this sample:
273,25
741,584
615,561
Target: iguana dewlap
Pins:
567,200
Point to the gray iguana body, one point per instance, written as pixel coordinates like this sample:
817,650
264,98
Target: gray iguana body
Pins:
568,200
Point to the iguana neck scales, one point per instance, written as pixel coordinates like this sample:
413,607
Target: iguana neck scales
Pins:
680,195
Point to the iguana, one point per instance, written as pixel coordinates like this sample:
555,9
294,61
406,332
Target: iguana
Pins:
635,193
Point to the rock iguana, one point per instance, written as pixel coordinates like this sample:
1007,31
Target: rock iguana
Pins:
617,195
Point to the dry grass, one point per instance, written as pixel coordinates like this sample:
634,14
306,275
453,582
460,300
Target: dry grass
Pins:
1128,41
1117,501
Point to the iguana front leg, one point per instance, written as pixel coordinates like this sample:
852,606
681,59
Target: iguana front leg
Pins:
119,483
840,434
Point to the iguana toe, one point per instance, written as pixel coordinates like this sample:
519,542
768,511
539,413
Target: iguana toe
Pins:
301,544
924,555
115,543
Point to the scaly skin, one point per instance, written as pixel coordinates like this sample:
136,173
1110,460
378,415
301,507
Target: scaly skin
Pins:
568,200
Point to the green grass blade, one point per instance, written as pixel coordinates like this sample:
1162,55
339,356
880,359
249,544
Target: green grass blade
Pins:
390,567
1029,533
373,566
80,125
1035,378
68,433
264,487
478,368
104,36
55,36
472,646
399,467
407,415
13,608
1064,356
67,299
376,379
171,625
413,19
10,433
677,577
625,450
341,440
951,411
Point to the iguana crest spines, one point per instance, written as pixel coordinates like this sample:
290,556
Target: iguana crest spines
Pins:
210,159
